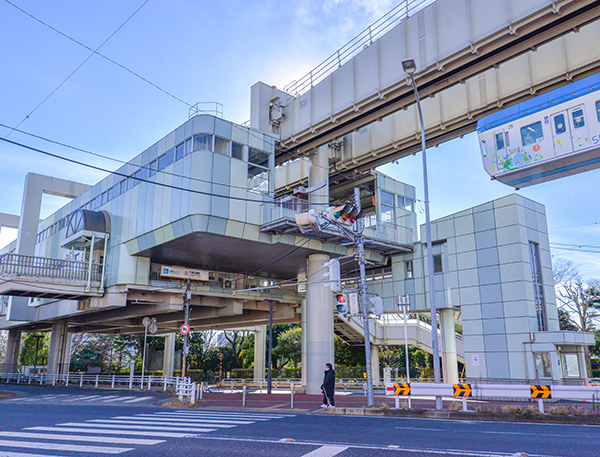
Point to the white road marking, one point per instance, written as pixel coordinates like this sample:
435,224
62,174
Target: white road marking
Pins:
143,427
75,398
110,432
428,429
159,421
64,447
110,396
90,397
137,399
228,414
164,420
116,399
20,454
92,439
326,451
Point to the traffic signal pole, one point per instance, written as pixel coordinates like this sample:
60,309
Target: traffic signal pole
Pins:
360,241
186,337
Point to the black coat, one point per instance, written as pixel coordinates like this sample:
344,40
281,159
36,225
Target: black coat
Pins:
329,382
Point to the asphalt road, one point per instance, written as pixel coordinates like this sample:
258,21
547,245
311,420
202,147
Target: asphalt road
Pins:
53,427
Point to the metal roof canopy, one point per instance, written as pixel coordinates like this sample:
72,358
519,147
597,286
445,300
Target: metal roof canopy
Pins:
85,225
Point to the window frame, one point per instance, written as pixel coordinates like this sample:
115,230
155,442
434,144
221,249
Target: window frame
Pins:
536,139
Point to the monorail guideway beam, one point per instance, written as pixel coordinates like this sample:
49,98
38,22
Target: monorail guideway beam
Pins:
355,96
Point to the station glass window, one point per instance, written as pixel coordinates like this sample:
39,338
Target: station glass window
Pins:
179,152
258,171
237,151
142,173
113,192
408,269
409,204
123,186
532,133
400,201
571,363
598,110
130,183
153,168
222,146
104,197
542,364
437,263
166,159
188,146
387,206
370,220
578,118
203,142
499,141
559,124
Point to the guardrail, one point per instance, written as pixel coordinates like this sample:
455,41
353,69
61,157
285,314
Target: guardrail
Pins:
31,266
504,392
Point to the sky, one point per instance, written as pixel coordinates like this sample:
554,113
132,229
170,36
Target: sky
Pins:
201,51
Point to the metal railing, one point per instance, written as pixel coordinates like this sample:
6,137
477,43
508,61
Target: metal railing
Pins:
283,208
361,41
44,267
390,233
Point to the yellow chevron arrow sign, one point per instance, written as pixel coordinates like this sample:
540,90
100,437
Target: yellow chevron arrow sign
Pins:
463,390
402,388
540,391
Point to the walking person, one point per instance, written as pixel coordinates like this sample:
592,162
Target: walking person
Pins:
328,387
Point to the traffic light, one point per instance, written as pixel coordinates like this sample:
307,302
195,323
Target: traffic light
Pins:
342,303
346,215
308,222
334,274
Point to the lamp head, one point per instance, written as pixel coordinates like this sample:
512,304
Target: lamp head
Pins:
409,66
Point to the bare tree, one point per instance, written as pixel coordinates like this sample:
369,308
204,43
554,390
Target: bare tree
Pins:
3,342
236,340
578,297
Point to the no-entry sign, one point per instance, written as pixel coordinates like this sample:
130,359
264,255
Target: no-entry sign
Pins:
185,329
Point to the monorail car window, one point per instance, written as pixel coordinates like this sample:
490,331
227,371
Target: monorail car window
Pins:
483,148
598,110
559,124
532,133
499,141
578,119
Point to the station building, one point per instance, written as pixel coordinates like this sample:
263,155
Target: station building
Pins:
208,202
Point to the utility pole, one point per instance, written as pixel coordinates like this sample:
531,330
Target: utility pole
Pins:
186,337
360,241
269,375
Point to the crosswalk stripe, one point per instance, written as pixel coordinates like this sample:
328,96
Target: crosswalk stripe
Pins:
326,451
210,416
159,421
143,427
110,396
64,447
227,414
75,398
90,397
116,399
92,439
170,420
233,413
20,454
110,432
137,399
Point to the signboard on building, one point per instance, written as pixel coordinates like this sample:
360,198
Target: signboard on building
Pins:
183,273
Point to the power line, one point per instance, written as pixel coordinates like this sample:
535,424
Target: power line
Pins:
81,64
137,75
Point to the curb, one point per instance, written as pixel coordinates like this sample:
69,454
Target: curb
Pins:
461,415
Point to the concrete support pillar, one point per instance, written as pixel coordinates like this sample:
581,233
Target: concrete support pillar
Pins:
318,172
169,355
260,338
448,352
13,347
59,354
303,376
319,324
375,370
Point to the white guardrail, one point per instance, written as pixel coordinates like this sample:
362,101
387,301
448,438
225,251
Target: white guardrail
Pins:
506,392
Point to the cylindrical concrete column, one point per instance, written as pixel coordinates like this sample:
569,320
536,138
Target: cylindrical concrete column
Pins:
260,339
13,347
169,355
303,361
318,172
59,342
319,324
448,353
375,369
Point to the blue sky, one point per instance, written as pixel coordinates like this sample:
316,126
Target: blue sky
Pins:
210,51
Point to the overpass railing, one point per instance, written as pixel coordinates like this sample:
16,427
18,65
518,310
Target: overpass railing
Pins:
12,265
364,39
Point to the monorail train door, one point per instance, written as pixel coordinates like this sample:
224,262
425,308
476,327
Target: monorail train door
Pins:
501,143
569,131
581,132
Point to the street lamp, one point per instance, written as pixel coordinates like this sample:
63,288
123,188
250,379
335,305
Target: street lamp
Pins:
409,68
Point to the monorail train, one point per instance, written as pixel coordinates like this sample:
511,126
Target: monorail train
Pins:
547,137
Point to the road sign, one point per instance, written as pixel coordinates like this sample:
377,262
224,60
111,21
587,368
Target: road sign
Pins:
220,356
402,388
185,329
463,390
353,303
540,391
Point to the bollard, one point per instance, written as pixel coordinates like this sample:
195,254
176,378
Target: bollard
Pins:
164,383
193,394
201,390
29,378
149,382
243,396
464,404
81,381
292,392
397,401
112,385
541,405
41,378
96,383
67,381
53,379
131,382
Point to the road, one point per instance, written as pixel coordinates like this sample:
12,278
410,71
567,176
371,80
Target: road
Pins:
48,425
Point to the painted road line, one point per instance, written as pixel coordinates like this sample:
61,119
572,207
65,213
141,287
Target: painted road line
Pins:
227,413
110,396
109,432
151,424
169,419
90,397
326,451
20,454
138,399
92,439
75,398
158,421
64,447
208,417
143,427
116,399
